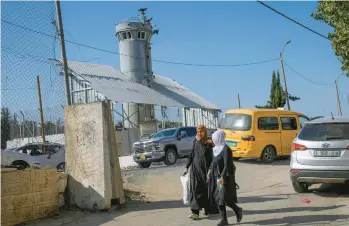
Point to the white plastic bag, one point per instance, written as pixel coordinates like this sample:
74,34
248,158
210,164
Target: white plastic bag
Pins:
185,185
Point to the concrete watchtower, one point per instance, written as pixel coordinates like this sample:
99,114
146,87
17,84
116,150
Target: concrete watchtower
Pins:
134,35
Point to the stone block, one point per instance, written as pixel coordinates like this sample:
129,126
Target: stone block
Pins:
6,203
9,189
49,196
9,177
16,188
40,211
41,174
23,200
45,184
24,175
10,217
26,214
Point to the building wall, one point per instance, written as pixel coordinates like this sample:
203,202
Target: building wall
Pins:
29,195
81,92
195,117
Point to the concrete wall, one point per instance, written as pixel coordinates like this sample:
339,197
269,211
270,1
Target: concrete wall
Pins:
28,195
90,150
124,144
57,138
126,138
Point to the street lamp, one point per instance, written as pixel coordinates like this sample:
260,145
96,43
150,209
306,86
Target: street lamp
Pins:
283,72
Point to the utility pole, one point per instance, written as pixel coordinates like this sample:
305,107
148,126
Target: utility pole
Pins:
61,37
285,83
41,111
239,101
283,73
338,100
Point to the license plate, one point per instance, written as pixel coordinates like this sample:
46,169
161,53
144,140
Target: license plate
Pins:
142,157
231,143
327,153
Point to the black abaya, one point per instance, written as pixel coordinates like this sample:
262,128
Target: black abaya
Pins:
223,166
200,160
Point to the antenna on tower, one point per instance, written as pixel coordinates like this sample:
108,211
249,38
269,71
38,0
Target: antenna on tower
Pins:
142,11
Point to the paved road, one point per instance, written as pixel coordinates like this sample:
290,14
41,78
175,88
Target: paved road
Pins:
265,195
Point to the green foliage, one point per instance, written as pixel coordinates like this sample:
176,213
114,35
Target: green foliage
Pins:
277,97
336,14
5,126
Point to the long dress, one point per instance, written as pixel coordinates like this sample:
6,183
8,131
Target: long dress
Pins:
200,160
222,166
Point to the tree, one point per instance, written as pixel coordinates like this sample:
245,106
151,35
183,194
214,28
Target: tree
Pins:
50,128
277,97
336,14
5,127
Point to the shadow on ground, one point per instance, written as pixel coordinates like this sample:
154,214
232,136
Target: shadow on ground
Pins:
332,190
307,219
281,210
276,162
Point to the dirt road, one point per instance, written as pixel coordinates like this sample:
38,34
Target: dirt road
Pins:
265,194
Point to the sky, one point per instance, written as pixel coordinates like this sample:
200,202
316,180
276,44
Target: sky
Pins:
190,32
221,33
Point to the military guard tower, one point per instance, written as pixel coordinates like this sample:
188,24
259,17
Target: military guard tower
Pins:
134,35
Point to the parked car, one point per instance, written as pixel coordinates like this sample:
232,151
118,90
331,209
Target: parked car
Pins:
320,153
261,133
167,145
50,155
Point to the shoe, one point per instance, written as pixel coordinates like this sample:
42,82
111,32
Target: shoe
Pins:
239,215
194,216
222,223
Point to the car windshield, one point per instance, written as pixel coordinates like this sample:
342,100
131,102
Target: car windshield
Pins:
323,132
164,133
237,122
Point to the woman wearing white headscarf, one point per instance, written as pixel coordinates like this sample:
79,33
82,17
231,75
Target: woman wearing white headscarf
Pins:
222,170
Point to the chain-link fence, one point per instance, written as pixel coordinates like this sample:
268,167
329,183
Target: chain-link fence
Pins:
30,49
29,43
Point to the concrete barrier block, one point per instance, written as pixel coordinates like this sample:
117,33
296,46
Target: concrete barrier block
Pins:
24,176
23,200
49,196
46,184
41,174
40,211
9,177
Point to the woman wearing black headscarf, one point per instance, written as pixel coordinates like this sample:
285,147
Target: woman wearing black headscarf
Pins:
200,160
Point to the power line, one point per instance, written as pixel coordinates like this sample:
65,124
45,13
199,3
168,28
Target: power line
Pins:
159,61
309,29
316,83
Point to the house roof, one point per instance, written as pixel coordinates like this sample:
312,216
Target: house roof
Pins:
117,86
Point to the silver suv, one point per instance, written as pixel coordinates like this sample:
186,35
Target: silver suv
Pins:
167,145
320,153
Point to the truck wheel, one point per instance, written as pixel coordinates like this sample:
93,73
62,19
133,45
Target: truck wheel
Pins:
144,164
170,157
300,187
268,154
